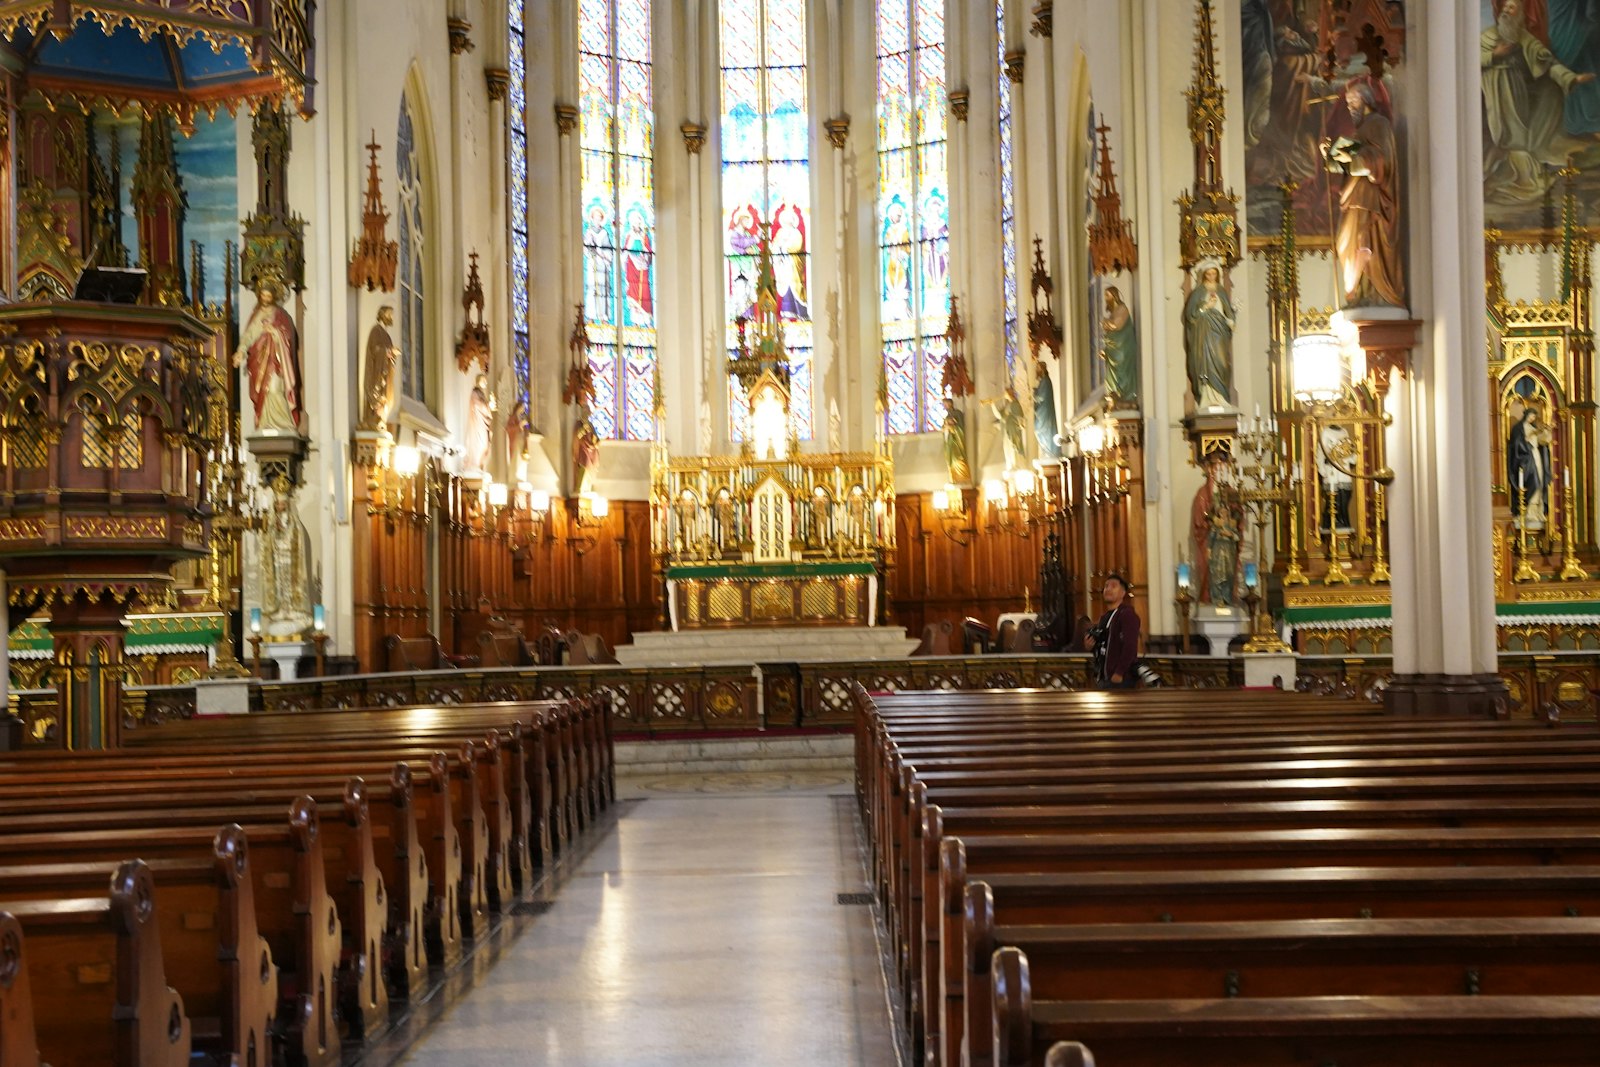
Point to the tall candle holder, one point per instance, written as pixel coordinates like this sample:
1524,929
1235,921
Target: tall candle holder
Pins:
1571,569
1380,562
1525,571
1266,483
1184,599
233,511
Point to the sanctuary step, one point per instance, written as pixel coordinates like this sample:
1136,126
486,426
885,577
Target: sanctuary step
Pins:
823,752
764,644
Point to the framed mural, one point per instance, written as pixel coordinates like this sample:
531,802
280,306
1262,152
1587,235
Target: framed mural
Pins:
1541,108
1300,59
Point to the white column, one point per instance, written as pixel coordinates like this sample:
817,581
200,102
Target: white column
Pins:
1440,524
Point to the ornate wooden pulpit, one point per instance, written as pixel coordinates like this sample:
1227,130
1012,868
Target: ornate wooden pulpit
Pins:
105,419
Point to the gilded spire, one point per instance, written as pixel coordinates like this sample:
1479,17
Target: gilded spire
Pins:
1111,244
1208,214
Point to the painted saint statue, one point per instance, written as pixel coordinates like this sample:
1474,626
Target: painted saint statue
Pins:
1208,320
1367,245
1216,524
480,425
1120,348
1044,411
1528,470
270,353
1008,413
379,377
956,463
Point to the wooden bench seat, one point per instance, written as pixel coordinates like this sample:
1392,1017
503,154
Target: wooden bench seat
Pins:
98,979
214,954
1462,1031
1525,957
1157,793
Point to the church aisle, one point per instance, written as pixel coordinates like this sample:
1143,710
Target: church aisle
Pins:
704,930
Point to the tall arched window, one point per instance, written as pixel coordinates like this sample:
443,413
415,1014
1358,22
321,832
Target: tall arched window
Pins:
766,178
913,210
616,129
1008,197
413,320
517,118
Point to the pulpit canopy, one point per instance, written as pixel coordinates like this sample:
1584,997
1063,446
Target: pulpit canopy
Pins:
180,56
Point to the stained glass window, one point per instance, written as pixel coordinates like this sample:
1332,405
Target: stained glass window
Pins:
616,131
413,318
913,210
517,118
766,179
1008,197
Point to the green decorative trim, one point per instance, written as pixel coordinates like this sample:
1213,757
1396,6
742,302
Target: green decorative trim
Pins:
1338,613
144,631
750,572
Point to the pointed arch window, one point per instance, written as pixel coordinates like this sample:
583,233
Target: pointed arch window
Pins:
616,128
517,186
1008,199
766,180
411,274
913,210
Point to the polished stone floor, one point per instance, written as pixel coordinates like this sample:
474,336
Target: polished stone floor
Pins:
703,929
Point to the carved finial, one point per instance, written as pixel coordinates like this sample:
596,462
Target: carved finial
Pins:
1111,243
372,263
473,345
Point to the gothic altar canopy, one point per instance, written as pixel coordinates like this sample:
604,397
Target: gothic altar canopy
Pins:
772,536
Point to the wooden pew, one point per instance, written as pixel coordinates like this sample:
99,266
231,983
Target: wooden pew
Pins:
1282,958
215,955
19,1046
1312,1031
99,958
895,783
294,911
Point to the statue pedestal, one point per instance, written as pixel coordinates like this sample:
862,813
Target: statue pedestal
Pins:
279,453
287,656
372,447
1211,431
1219,626
1269,670
222,697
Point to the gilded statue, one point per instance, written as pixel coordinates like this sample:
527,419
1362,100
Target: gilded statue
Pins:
285,590
270,353
380,373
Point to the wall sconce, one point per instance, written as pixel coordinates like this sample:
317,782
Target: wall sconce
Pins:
1012,501
950,504
538,509
1105,461
587,519
407,460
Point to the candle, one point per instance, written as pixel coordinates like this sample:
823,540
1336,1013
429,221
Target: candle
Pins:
319,618
255,620
1183,577
1252,576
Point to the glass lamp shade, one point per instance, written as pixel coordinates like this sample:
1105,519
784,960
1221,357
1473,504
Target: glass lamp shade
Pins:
1023,480
539,501
1092,439
1318,364
407,460
498,494
599,506
994,489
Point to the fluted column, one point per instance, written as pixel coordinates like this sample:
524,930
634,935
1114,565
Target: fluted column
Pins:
1440,520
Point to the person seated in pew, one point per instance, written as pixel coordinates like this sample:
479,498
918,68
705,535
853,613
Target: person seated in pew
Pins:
1114,640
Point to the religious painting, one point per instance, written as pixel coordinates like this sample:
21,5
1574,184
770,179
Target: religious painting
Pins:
1301,59
1541,107
208,171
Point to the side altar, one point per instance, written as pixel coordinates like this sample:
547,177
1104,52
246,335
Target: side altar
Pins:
772,537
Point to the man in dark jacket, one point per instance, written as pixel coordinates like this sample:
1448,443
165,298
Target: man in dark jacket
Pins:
1115,638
